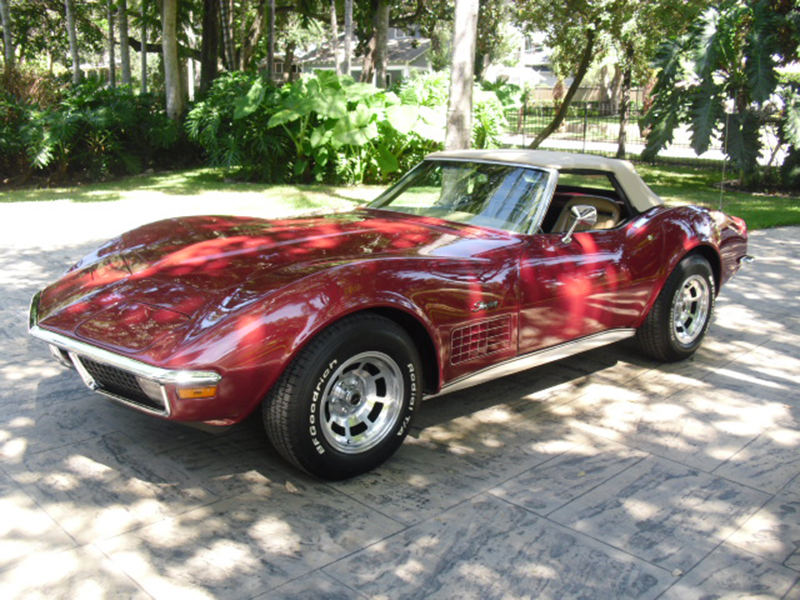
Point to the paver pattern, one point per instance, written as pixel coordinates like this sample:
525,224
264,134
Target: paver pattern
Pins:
606,475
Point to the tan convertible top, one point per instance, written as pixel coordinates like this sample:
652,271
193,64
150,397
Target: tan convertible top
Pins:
641,196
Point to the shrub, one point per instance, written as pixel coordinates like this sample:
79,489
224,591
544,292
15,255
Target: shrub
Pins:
96,131
327,128
93,131
230,125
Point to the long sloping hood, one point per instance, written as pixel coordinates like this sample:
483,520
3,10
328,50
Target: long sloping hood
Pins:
150,283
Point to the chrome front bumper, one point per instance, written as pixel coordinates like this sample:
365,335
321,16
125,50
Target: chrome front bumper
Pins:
81,354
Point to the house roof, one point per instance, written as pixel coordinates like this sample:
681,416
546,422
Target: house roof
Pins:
400,51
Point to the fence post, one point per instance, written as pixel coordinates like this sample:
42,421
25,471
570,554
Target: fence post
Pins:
585,124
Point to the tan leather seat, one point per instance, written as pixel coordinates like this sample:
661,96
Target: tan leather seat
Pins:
608,213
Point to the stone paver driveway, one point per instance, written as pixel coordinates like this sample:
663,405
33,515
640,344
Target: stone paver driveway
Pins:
602,476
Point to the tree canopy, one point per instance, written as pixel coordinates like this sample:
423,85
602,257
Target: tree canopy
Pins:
723,77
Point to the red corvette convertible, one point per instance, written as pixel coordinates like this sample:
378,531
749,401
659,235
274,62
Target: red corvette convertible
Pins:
474,265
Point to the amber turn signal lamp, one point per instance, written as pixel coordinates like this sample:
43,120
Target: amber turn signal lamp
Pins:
188,393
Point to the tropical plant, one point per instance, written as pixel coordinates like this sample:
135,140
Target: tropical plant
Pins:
351,132
230,125
98,131
488,120
722,78
328,128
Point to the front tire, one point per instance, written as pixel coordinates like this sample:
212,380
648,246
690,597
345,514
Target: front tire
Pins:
345,403
679,319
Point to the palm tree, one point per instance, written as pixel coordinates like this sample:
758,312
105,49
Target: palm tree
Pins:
73,42
462,76
169,41
8,40
124,46
348,36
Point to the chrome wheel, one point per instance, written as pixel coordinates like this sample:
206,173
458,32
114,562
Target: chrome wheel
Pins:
362,402
691,309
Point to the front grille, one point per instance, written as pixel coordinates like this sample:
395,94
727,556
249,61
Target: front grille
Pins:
118,383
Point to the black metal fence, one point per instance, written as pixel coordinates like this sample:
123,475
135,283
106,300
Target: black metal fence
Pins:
594,128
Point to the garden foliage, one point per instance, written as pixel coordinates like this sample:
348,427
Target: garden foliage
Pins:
328,128
88,131
321,128
723,78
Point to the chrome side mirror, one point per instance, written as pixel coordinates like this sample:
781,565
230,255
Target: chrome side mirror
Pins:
582,214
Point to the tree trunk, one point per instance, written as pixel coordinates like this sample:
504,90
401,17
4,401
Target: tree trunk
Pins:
348,36
112,62
251,40
625,101
209,46
480,66
335,39
271,44
226,25
143,50
368,66
459,108
8,38
73,43
172,75
124,46
381,43
586,60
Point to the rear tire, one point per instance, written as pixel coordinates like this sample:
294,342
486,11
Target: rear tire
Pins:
679,319
346,402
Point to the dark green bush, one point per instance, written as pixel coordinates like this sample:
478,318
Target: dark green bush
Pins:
230,125
12,148
329,129
97,132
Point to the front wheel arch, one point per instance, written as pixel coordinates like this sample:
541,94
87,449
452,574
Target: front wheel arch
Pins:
423,342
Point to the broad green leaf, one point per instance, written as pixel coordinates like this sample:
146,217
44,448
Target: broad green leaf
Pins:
760,47
320,136
431,124
391,98
356,128
300,166
359,91
743,141
706,112
662,127
284,116
791,126
402,117
760,70
247,105
329,103
387,162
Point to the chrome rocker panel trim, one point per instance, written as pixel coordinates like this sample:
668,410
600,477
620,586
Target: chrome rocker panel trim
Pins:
536,359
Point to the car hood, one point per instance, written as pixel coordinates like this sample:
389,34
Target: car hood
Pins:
150,283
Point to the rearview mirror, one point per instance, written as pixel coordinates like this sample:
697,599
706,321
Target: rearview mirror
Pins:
582,214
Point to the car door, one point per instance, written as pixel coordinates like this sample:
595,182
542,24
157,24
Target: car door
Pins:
598,280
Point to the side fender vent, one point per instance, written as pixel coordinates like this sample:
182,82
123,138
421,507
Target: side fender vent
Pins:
480,339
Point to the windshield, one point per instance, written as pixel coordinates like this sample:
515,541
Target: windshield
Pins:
484,194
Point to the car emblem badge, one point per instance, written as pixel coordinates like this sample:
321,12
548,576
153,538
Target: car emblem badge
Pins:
481,305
